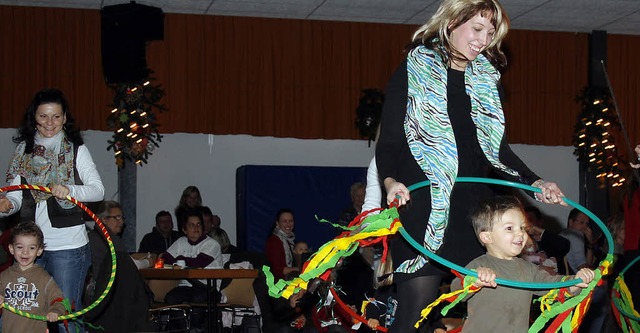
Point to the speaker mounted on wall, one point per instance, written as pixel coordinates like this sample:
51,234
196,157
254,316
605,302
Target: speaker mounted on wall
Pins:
126,29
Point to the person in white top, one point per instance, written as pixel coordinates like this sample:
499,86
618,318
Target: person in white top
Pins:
196,250
51,153
373,193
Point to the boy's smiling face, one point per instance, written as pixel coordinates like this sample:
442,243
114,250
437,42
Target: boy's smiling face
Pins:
508,238
25,249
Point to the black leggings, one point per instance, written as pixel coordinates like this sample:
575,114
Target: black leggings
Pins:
413,296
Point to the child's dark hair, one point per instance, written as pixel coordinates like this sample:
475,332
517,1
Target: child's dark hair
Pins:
29,228
490,210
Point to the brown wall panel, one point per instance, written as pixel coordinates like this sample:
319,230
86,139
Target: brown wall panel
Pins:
623,67
287,78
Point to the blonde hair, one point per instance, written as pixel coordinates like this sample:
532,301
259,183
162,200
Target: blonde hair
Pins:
451,14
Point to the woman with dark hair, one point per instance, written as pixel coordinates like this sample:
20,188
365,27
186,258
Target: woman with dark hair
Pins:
51,152
279,247
190,199
442,119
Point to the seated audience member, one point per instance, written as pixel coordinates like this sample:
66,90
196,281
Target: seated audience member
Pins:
293,315
615,224
279,247
631,247
357,200
197,250
128,290
222,238
552,246
215,221
599,317
162,235
580,238
110,212
300,251
210,222
190,199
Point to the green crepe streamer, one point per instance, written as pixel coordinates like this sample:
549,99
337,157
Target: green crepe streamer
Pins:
371,224
559,308
625,307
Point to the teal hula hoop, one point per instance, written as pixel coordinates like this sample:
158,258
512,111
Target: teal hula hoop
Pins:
505,282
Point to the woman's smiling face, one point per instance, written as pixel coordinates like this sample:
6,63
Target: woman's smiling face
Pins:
285,222
471,38
50,119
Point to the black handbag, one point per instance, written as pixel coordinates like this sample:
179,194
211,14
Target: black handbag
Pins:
63,217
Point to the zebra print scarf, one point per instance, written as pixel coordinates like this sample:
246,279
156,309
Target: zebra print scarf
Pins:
430,135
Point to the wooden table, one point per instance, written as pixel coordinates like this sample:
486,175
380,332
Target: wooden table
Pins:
211,275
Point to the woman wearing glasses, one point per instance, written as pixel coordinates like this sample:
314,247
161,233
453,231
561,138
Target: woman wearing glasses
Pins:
51,152
110,212
128,290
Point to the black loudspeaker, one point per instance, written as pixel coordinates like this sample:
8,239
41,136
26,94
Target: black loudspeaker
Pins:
597,56
126,29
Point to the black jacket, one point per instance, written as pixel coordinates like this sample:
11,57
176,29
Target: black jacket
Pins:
154,242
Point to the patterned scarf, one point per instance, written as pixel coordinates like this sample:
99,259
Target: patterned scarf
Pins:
287,244
50,163
430,135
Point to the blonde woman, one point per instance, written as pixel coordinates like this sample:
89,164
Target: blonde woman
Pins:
442,119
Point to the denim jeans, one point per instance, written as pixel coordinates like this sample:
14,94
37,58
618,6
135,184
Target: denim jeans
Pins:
69,269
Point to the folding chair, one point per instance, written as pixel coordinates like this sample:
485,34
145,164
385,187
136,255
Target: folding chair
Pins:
168,317
240,301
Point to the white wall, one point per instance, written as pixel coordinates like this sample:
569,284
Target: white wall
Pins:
189,159
556,164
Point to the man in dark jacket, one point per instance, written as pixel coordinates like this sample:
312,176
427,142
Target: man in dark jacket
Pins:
551,243
162,235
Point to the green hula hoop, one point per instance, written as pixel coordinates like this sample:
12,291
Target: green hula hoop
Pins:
504,282
616,300
103,229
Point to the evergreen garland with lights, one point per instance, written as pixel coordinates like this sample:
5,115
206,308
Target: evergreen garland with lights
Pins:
368,113
134,122
592,138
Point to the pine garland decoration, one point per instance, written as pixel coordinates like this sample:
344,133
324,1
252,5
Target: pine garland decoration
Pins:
134,122
592,138
368,113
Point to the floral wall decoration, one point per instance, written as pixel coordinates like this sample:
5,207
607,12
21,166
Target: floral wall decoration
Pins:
368,113
133,121
594,136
